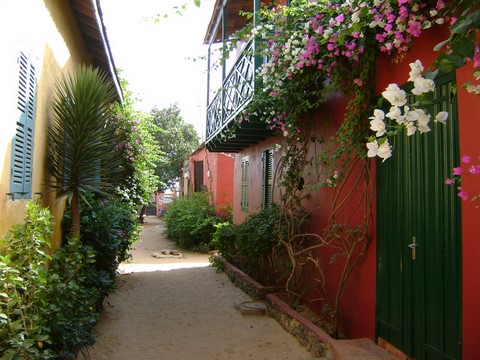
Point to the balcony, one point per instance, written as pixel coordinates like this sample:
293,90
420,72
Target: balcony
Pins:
224,133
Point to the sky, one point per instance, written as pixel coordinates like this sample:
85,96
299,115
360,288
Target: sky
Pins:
156,57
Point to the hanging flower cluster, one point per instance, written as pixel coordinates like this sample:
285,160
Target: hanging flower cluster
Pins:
469,168
314,48
401,115
129,137
398,22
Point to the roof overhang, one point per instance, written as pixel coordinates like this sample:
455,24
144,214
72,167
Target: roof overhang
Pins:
234,20
88,14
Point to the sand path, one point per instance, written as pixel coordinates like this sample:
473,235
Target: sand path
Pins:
180,308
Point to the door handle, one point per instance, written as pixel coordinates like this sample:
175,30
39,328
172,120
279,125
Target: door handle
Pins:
413,246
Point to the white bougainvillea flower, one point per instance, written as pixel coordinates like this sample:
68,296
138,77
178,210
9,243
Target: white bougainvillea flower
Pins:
372,148
377,124
422,85
441,117
423,128
423,121
416,71
412,115
411,128
396,114
383,151
395,95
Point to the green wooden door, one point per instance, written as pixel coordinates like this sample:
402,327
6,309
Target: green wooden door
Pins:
419,240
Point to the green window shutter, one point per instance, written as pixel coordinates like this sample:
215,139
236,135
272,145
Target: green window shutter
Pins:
267,177
22,145
244,184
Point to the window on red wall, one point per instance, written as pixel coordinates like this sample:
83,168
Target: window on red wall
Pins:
244,184
267,177
198,176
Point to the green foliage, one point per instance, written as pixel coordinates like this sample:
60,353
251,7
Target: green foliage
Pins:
81,153
135,141
109,228
253,246
224,240
190,221
45,314
23,280
49,313
176,140
71,300
257,240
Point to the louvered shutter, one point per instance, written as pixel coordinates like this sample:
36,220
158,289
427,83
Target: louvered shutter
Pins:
267,177
22,145
244,184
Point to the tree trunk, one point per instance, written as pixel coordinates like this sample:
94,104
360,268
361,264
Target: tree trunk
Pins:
75,206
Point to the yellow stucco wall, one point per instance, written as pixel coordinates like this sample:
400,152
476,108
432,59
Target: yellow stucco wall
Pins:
46,29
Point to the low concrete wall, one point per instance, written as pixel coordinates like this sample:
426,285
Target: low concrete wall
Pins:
251,287
314,338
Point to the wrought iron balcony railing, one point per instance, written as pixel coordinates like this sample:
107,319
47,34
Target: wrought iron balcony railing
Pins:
227,106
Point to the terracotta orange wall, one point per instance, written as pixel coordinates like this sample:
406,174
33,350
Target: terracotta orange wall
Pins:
223,179
217,176
469,129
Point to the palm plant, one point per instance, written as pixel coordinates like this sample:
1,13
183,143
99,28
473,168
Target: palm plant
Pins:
81,155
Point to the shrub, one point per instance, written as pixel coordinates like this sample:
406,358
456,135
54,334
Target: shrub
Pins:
71,299
190,221
258,250
109,227
45,314
23,280
223,240
49,314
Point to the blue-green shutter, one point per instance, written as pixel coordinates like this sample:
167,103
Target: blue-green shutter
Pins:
244,184
267,177
22,144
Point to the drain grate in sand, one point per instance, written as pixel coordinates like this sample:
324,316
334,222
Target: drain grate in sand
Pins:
250,307
167,253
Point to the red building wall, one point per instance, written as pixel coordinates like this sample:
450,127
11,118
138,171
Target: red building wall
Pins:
217,176
254,154
358,306
469,110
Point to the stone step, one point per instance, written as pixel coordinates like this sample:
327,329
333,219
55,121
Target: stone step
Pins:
359,349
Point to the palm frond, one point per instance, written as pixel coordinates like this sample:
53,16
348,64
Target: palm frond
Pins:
81,152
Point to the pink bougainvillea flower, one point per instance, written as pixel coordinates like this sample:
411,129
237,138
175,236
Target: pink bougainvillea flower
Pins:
448,181
474,170
466,159
440,5
358,82
339,18
463,194
476,58
457,171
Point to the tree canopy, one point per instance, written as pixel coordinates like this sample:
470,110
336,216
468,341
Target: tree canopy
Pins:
176,140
